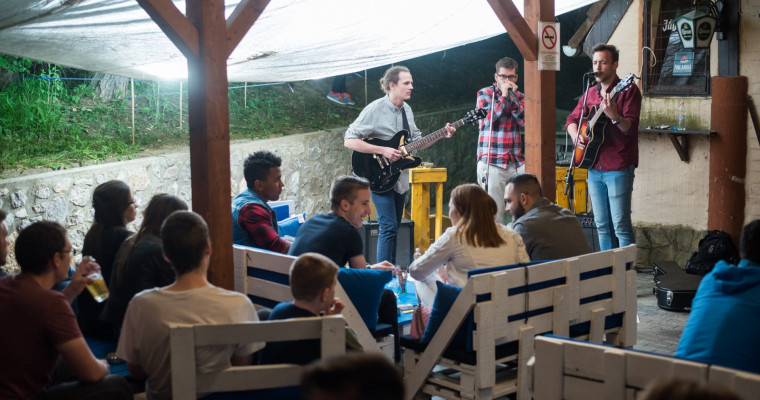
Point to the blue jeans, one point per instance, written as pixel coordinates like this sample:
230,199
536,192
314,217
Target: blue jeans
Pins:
611,193
390,208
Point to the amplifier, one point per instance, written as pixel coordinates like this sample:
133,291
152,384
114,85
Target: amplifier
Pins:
589,228
404,241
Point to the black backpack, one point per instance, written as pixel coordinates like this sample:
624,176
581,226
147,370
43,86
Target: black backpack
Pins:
715,246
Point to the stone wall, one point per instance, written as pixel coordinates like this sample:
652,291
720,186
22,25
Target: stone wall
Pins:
310,162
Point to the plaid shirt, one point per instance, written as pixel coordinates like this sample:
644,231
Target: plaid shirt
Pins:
261,224
506,145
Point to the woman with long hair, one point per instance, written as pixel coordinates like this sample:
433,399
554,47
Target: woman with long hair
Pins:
140,263
474,241
114,209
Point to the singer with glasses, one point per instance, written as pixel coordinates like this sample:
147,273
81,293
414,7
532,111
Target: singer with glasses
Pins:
499,143
610,177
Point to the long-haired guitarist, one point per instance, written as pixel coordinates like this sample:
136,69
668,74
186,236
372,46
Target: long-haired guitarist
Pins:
610,176
382,119
499,145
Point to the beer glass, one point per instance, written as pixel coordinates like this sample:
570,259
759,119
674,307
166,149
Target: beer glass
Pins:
97,287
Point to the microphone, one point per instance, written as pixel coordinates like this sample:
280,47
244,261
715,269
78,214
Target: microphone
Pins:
512,94
593,74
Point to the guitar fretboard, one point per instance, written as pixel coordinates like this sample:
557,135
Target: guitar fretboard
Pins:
432,137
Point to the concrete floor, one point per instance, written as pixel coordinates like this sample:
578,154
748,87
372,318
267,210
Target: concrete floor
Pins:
658,330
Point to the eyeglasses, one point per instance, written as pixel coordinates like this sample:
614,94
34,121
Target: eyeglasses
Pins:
71,251
510,77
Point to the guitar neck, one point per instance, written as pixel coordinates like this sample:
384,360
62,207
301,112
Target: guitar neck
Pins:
432,137
599,111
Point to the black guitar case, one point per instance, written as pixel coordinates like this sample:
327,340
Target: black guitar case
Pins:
674,288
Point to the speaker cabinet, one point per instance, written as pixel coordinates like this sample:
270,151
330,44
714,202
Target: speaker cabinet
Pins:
589,228
404,241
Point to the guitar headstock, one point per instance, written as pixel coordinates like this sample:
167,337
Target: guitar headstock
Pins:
475,115
624,83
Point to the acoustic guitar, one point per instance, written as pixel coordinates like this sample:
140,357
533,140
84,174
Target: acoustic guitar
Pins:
591,132
383,174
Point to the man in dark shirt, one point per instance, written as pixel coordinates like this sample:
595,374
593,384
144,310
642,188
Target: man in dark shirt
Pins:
254,223
335,234
549,231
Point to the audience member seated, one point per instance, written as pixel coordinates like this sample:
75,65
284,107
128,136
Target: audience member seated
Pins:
39,325
549,231
191,299
114,209
313,278
724,323
140,262
355,376
679,389
335,234
474,241
254,223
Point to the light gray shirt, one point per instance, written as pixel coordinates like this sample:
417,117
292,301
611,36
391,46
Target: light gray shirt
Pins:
551,232
381,120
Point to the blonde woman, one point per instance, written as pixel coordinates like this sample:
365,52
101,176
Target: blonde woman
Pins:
474,241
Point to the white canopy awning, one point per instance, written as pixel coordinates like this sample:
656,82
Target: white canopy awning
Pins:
292,40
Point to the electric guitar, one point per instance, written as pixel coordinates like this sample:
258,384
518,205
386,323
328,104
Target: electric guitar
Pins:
591,131
381,172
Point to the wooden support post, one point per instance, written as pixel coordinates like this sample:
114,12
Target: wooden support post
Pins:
728,155
540,108
207,40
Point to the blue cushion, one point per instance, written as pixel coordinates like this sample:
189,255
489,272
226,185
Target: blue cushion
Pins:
289,226
282,211
365,288
444,299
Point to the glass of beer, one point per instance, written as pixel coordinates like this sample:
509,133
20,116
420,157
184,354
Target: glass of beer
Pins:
97,287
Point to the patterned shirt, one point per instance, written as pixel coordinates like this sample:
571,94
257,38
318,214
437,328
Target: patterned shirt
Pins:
261,224
507,116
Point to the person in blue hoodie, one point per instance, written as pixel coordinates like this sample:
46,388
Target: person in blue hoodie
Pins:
724,324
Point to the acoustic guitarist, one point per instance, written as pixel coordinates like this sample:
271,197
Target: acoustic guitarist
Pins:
610,177
382,119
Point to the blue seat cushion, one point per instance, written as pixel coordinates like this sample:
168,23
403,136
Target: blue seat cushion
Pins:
365,288
444,299
289,226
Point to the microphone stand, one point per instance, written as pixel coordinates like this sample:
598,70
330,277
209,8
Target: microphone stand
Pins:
569,181
490,135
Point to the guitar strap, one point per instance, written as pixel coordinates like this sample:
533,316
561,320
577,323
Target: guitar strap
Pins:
405,121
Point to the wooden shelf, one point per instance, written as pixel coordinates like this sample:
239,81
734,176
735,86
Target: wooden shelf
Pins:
680,139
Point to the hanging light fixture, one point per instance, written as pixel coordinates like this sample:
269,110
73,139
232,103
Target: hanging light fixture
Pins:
696,27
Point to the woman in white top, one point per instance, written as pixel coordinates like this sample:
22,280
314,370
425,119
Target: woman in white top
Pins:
474,241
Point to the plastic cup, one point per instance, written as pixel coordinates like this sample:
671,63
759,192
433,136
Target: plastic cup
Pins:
97,287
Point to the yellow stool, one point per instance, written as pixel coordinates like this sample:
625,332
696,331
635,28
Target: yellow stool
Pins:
420,179
580,189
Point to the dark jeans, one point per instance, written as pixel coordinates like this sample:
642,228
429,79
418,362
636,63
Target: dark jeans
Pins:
390,208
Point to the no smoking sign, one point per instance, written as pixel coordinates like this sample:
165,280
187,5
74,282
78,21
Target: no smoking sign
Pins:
548,50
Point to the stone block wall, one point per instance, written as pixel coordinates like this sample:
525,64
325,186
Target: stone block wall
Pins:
310,162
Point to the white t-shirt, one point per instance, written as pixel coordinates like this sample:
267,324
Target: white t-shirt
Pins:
459,257
145,334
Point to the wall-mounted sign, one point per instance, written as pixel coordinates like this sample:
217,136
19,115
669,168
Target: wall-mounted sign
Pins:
695,29
548,48
683,63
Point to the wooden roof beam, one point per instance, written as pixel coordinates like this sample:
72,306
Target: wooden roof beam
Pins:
242,19
519,31
175,26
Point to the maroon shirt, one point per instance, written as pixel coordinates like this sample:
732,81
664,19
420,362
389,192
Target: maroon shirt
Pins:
620,149
35,320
